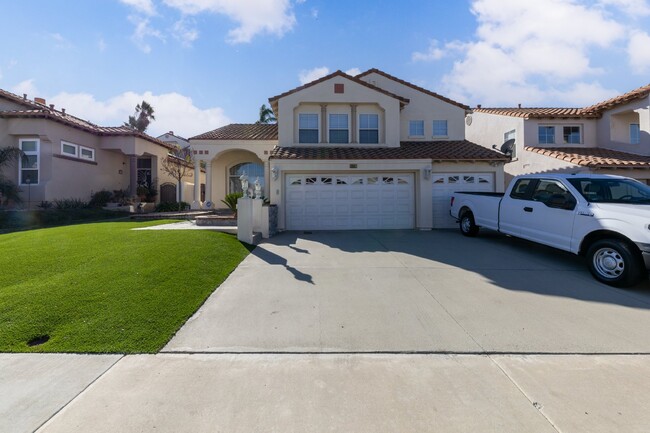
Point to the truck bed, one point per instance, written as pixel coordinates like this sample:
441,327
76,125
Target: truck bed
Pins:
488,194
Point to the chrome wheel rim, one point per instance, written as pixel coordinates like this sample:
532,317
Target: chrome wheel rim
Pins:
609,263
466,224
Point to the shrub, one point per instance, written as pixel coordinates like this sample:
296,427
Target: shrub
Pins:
70,203
172,207
100,198
45,205
231,200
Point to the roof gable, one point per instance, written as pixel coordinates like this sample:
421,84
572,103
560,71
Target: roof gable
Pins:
635,94
412,86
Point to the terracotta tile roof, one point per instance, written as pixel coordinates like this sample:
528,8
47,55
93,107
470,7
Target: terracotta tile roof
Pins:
241,131
339,73
413,86
596,157
536,113
436,150
641,92
37,110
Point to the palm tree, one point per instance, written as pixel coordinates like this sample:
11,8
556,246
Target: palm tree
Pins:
266,115
142,118
9,191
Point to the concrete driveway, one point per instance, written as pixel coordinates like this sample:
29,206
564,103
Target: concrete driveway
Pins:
407,291
369,332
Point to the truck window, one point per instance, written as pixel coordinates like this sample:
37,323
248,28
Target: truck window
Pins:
597,190
520,189
553,194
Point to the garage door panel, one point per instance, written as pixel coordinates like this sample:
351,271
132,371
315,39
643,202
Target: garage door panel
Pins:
360,201
445,184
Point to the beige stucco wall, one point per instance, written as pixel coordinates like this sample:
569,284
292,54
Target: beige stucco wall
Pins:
62,177
613,127
422,107
311,98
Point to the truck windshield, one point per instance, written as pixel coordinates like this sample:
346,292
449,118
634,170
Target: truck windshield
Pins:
612,190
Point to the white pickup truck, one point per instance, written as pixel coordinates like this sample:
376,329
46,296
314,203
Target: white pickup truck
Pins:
604,218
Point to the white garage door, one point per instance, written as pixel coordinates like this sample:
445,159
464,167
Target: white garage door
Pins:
444,184
350,202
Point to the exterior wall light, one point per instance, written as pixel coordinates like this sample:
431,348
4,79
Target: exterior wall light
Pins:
275,172
427,173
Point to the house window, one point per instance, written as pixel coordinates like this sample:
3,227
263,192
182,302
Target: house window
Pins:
546,134
86,153
308,128
571,135
69,149
368,128
416,128
253,170
510,135
635,133
439,128
144,172
339,128
28,166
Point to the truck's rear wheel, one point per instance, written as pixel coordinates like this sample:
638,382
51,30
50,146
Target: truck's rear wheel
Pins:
613,262
467,225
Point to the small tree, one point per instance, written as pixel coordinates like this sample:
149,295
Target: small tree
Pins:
266,115
178,167
9,191
142,118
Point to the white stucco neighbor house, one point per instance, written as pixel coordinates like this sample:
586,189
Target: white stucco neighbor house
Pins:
611,137
353,152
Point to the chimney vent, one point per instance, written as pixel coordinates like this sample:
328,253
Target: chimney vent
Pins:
40,101
63,111
24,96
51,106
478,106
519,105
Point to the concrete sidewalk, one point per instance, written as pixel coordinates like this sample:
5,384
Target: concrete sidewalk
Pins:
364,393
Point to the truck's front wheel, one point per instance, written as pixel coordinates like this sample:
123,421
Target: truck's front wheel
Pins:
467,225
613,262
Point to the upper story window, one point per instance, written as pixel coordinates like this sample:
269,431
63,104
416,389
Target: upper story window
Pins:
416,128
571,135
77,151
510,135
28,166
546,135
635,133
440,128
308,128
368,128
339,132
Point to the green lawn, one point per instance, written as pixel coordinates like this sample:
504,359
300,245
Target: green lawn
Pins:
105,288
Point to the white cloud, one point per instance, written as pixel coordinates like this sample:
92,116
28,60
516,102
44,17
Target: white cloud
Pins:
173,111
185,31
309,75
523,51
101,45
314,13
143,32
353,71
60,42
583,94
434,52
630,7
638,51
26,86
252,16
144,6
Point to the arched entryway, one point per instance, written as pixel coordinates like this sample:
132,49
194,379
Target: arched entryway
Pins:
167,193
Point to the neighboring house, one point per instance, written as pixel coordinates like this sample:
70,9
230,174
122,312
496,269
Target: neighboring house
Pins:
171,138
612,137
68,157
364,152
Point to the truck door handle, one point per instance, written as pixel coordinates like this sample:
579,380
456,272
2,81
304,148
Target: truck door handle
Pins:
528,209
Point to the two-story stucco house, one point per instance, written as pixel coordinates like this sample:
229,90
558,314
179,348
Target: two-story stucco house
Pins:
364,152
611,137
68,157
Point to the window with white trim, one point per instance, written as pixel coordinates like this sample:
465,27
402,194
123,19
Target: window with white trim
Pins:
338,128
307,128
546,134
416,128
69,149
511,135
635,133
86,153
28,166
440,128
571,135
368,128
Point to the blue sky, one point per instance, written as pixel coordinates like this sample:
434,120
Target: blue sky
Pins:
206,63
